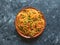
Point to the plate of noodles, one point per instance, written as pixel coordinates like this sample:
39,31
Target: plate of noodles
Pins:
30,22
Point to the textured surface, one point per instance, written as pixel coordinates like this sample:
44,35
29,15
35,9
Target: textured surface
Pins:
8,12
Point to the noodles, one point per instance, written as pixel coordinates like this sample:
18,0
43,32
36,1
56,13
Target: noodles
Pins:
30,21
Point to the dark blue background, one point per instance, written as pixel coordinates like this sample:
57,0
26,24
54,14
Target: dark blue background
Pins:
8,12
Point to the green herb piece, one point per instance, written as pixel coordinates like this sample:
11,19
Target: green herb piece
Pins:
34,12
22,16
38,29
29,17
25,22
39,16
35,19
21,28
